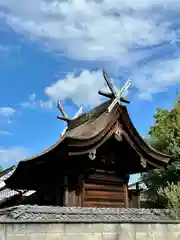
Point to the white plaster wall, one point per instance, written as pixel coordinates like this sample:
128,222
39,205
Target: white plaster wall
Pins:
96,231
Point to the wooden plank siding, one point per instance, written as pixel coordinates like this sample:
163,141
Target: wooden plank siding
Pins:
103,189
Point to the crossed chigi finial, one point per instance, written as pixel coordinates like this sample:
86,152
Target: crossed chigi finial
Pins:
65,116
117,97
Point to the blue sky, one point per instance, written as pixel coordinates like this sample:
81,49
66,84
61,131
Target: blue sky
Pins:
55,50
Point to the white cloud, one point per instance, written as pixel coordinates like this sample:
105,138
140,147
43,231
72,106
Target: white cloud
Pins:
120,34
82,89
158,77
88,30
33,103
32,97
6,114
7,111
7,155
4,132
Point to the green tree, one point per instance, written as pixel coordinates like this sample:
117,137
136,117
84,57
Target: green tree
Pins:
171,193
164,136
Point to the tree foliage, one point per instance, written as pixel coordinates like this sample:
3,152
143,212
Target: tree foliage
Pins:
164,136
171,193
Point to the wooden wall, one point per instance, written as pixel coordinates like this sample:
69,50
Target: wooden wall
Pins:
72,196
103,189
134,199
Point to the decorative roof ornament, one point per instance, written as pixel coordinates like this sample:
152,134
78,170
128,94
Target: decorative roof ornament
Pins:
92,154
118,135
117,97
65,117
143,162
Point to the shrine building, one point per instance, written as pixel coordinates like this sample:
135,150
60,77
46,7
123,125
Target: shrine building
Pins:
90,165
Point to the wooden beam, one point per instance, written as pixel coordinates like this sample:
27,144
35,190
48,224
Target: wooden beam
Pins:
78,113
59,105
116,97
64,118
124,100
108,95
109,83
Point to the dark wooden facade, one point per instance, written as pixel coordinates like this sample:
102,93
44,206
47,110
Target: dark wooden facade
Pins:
101,189
89,166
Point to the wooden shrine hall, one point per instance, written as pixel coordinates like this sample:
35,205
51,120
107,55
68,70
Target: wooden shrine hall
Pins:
90,165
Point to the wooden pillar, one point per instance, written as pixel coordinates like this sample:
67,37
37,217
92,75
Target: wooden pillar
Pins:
126,191
66,193
126,198
138,195
74,197
79,191
138,200
82,193
130,199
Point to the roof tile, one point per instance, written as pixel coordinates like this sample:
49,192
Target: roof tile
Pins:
70,214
